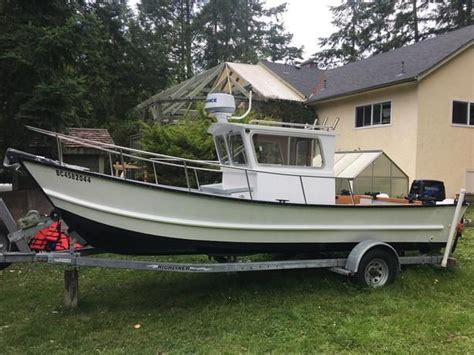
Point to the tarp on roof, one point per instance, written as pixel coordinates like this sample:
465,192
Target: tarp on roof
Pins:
349,165
264,82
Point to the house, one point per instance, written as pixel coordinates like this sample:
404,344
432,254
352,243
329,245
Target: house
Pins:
415,103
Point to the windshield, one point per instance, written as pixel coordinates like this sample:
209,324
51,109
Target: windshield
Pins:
237,149
222,150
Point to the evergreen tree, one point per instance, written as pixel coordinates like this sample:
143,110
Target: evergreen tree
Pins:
351,41
453,14
368,28
168,26
72,63
242,30
40,44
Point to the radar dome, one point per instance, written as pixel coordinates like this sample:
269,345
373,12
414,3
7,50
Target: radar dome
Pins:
220,105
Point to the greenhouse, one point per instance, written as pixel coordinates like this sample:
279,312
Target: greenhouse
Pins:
369,172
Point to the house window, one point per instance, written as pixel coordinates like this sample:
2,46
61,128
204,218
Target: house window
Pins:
374,114
463,113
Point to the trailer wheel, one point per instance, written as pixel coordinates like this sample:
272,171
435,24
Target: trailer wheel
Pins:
377,268
4,247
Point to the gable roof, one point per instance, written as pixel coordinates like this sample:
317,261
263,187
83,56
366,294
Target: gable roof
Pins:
397,66
303,79
100,135
264,83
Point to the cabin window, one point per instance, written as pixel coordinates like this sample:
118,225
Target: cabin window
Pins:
221,148
463,113
373,115
289,151
237,149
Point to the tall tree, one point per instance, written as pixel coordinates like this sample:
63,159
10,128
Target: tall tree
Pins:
351,40
410,24
453,14
169,24
72,63
368,28
242,30
40,44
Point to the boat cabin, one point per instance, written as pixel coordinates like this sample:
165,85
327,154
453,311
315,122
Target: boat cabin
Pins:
275,161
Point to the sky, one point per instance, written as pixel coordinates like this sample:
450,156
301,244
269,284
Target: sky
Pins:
307,20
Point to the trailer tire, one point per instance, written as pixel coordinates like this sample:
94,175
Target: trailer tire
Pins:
4,247
377,268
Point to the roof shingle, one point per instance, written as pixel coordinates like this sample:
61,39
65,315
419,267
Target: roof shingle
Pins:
100,135
302,79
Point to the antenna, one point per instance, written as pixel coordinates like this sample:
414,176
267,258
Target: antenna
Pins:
246,112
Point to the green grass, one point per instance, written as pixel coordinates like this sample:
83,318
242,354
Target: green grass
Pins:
426,310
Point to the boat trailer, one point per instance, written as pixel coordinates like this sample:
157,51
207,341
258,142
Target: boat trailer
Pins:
19,235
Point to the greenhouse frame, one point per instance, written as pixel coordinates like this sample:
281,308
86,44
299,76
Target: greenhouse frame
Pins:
369,172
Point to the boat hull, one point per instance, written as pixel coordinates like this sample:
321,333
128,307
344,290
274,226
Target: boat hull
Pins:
122,241
140,218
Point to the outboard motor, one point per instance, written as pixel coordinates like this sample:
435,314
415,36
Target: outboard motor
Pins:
427,190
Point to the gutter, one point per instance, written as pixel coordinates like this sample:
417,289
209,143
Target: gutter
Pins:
355,92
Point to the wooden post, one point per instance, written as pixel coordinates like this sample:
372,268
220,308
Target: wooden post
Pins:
71,287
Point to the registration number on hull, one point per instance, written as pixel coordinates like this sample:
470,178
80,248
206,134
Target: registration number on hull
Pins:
73,176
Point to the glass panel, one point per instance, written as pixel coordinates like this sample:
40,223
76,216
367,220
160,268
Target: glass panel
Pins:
317,161
386,112
303,153
382,166
381,185
237,149
359,116
221,150
270,149
367,171
362,185
399,187
367,115
275,150
459,112
471,114
377,114
396,172
341,184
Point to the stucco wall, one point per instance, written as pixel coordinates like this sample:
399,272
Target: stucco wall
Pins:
397,140
445,151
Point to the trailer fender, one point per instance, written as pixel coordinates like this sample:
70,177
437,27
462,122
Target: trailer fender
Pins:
357,253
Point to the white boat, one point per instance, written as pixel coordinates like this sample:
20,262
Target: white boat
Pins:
277,194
